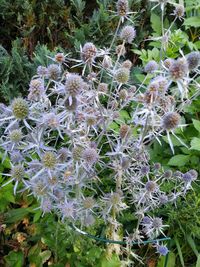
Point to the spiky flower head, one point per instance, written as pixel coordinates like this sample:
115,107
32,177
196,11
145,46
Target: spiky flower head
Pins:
168,62
151,66
162,83
16,157
89,52
67,209
124,131
77,152
60,57
90,156
42,71
49,160
88,203
107,62
122,75
162,250
179,11
127,34
122,7
123,94
151,186
51,120
16,135
103,87
187,177
127,64
18,172
178,69
36,89
74,84
53,71
63,154
88,220
194,174
157,223
171,120
120,50
193,60
20,108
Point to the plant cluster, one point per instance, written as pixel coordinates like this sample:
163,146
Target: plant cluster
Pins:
86,118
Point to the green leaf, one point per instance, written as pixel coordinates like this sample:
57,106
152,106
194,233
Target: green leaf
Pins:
14,259
196,124
15,215
195,143
45,255
113,262
156,24
192,22
179,160
179,252
192,244
198,261
167,262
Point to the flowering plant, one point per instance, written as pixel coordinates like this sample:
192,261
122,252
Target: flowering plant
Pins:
84,120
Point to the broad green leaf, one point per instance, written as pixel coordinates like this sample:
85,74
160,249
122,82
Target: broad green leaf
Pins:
192,22
195,143
179,160
196,124
192,244
14,259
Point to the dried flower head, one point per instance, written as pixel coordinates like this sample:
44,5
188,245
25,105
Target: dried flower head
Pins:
60,57
124,131
127,34
151,186
36,89
88,52
171,120
20,108
122,7
127,64
120,50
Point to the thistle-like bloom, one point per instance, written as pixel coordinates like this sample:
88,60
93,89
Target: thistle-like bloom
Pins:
193,60
53,72
127,34
179,11
36,89
171,120
74,84
122,75
88,53
151,66
178,69
90,156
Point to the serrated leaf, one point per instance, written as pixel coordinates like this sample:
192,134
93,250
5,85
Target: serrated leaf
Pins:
195,144
156,24
179,160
